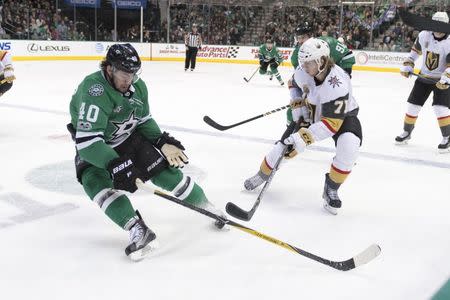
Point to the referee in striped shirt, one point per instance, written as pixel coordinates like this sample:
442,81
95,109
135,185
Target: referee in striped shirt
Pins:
193,42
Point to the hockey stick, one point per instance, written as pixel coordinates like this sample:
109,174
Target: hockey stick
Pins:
248,80
217,126
243,215
362,258
427,79
423,23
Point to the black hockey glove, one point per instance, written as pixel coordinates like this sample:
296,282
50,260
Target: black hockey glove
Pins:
124,174
172,149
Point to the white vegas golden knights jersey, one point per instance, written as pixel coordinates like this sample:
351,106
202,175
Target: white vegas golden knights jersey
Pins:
337,85
435,54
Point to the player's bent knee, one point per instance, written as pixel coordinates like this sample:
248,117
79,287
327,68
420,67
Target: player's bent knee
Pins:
95,180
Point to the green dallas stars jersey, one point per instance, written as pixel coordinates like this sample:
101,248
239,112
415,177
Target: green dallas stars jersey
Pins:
104,118
339,52
267,55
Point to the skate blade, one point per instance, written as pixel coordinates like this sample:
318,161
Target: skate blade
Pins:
332,210
444,151
405,142
144,252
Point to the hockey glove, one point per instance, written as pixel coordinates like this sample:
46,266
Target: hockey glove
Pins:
407,68
9,74
172,150
299,139
123,173
444,82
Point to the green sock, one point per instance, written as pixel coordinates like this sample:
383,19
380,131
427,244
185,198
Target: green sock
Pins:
98,186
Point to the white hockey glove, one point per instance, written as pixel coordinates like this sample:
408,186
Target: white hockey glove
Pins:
174,156
172,150
8,72
444,82
407,68
300,139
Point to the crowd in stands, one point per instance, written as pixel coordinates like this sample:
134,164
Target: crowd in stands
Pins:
218,24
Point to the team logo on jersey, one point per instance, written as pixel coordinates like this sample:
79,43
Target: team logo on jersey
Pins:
334,81
126,127
432,60
96,90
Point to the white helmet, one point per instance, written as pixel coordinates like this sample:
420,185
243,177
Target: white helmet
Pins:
313,50
440,16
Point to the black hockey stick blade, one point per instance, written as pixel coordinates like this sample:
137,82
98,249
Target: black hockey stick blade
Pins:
212,123
237,212
246,80
423,23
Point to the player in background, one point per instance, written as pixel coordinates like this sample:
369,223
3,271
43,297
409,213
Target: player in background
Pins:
435,50
327,102
342,56
7,72
117,140
269,56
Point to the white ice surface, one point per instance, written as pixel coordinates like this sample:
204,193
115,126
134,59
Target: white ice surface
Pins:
396,196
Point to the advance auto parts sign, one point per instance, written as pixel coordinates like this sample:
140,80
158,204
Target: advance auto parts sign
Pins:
48,49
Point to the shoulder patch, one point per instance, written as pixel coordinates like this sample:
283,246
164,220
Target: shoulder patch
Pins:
96,90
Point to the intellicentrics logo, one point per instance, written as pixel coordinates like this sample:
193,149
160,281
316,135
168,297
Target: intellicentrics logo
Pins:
34,48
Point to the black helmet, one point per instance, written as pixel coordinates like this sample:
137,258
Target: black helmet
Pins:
304,28
124,57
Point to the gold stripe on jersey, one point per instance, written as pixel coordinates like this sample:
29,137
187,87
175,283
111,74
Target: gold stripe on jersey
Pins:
337,175
306,135
410,120
265,168
416,50
333,124
444,121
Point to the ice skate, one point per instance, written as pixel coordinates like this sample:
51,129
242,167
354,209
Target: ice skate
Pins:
444,146
330,196
253,182
403,138
143,241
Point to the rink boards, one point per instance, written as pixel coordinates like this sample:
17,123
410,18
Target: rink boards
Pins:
66,50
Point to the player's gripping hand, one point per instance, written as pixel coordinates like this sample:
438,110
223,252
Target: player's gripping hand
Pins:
172,149
444,82
407,68
9,74
296,140
123,173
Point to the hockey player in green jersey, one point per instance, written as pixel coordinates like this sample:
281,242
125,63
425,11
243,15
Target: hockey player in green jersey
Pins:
339,52
269,56
117,141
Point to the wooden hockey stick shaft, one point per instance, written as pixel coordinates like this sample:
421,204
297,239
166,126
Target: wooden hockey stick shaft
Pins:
362,258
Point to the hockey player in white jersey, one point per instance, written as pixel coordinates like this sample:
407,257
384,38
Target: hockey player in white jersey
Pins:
324,92
435,49
6,72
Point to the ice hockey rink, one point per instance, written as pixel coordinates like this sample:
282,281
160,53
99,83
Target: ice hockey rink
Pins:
57,244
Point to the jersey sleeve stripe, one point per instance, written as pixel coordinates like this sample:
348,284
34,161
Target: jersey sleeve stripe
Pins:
82,145
332,124
88,138
81,134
